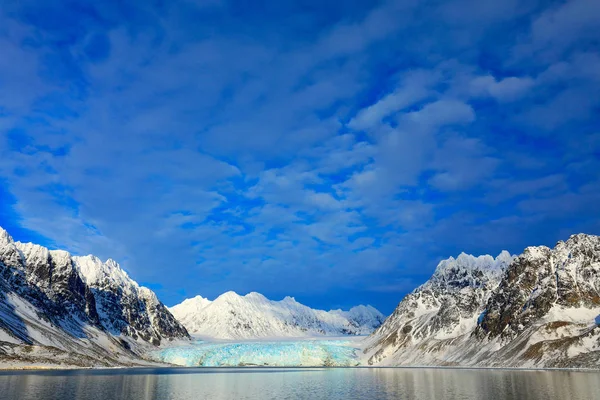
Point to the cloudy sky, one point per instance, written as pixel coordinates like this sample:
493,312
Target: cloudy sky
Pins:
330,151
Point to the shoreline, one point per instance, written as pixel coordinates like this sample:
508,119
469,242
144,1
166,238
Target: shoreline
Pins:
266,367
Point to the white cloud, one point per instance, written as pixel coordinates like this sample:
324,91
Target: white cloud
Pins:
557,29
415,87
441,112
462,163
565,23
507,89
244,140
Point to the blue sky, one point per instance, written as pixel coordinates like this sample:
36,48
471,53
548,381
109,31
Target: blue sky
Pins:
300,148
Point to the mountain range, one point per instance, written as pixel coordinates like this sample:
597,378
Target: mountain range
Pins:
537,309
231,316
64,310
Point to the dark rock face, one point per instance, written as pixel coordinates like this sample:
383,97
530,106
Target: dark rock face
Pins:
53,287
519,300
540,279
54,274
138,315
125,307
166,325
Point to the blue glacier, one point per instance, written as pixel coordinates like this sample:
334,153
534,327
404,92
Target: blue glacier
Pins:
308,353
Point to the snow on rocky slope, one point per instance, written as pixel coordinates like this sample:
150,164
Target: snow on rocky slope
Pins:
444,309
231,316
123,306
540,309
75,310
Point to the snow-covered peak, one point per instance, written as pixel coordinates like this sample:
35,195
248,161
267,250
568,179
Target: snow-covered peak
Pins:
36,256
232,316
504,257
289,299
190,306
362,311
367,316
580,242
533,252
33,253
94,271
468,268
5,238
61,257
9,254
583,238
469,262
255,296
228,296
577,246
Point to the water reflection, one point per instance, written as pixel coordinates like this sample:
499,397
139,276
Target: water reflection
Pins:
309,383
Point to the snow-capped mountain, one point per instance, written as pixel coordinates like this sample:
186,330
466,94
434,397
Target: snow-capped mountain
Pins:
231,316
540,309
445,307
123,306
57,307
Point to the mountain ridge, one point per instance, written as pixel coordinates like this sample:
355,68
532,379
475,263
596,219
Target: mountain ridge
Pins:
233,316
538,309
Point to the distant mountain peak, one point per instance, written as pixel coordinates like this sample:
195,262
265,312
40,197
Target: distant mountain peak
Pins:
232,316
5,237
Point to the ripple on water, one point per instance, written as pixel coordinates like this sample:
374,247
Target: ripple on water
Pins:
298,383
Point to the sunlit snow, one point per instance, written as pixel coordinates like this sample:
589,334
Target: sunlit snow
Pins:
272,353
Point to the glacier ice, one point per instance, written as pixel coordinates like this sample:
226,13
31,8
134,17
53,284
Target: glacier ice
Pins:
272,353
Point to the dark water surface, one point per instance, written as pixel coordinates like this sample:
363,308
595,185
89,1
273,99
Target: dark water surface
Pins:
299,383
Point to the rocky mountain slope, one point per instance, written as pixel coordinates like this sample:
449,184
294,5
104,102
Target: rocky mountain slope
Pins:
231,316
58,308
540,309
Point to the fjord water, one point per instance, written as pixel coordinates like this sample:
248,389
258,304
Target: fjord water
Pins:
299,383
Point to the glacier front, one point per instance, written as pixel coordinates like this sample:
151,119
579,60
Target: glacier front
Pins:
286,353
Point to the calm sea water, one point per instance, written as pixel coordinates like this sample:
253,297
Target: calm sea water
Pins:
305,383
